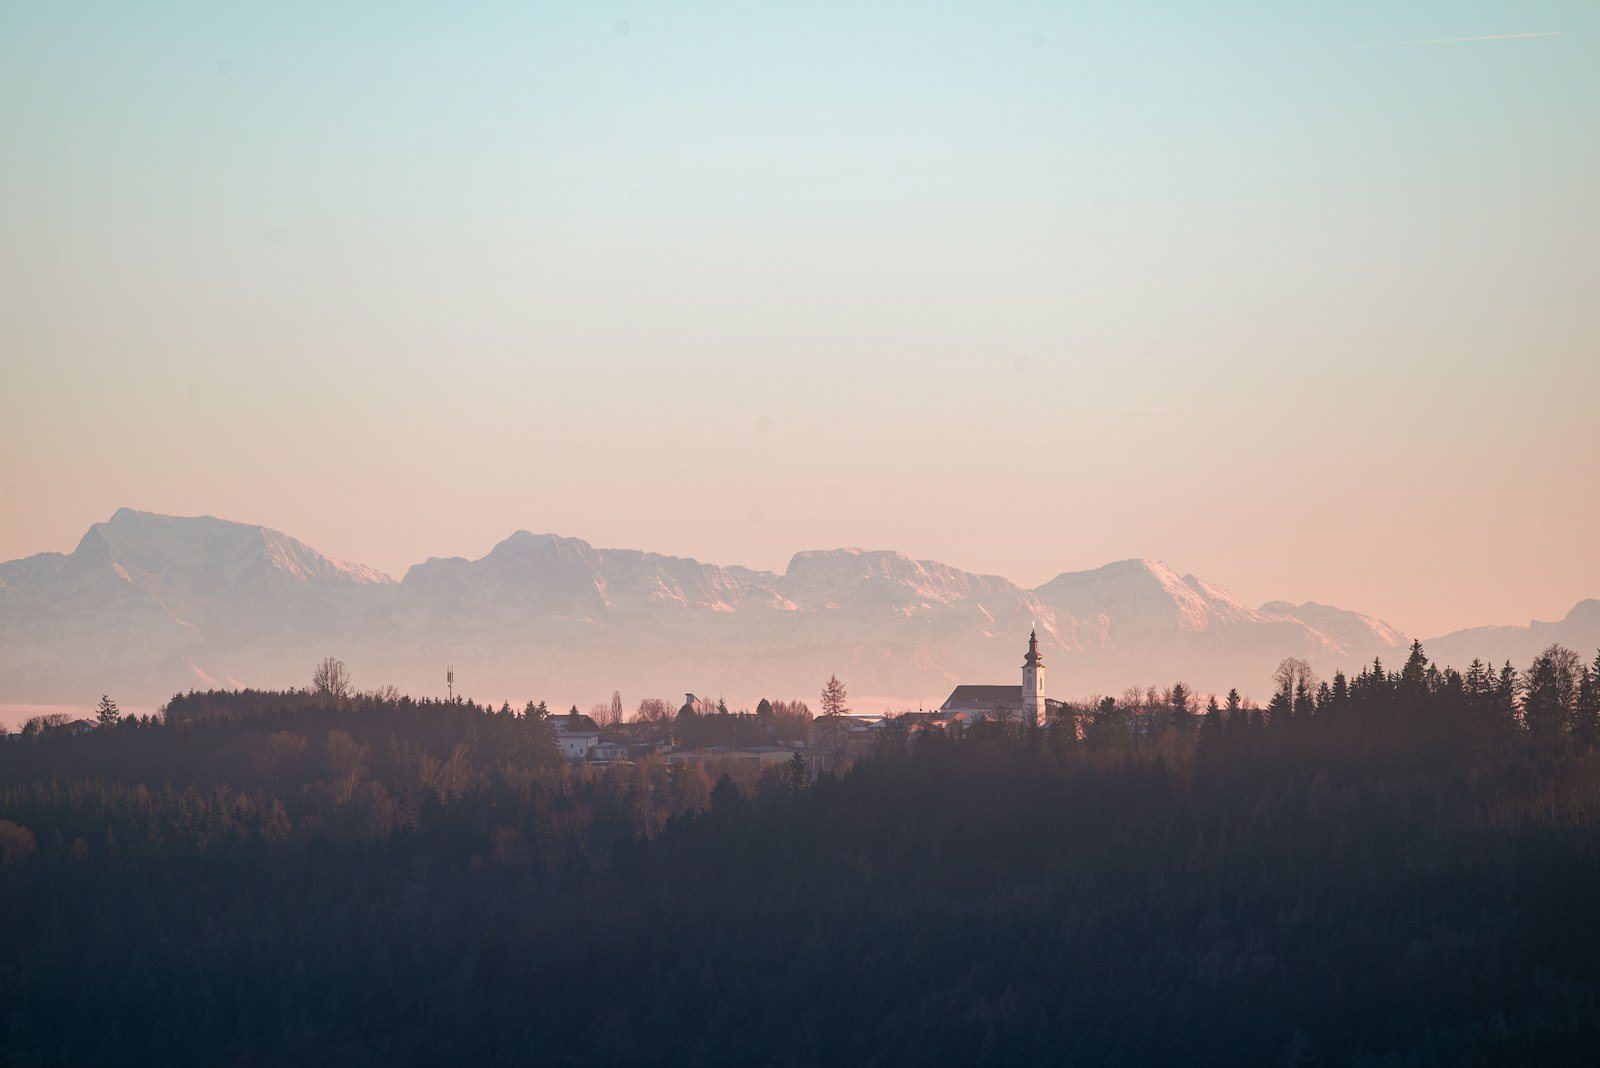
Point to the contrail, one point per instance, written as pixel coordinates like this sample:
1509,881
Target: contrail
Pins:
1465,40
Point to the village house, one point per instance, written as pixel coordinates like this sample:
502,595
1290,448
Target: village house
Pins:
576,734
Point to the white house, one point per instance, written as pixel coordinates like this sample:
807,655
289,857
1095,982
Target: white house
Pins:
576,734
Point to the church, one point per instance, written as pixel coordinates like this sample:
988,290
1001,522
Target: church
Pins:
1025,703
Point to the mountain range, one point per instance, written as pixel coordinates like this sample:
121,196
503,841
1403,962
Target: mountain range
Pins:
149,605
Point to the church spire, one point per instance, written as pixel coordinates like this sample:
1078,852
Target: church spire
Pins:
1034,709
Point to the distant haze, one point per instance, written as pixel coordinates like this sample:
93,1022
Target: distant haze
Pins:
150,605
1299,297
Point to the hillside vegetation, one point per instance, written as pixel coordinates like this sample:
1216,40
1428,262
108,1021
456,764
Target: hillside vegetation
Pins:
1399,868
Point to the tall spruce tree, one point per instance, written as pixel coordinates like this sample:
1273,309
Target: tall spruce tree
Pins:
1586,725
1507,687
1211,726
798,773
106,713
1303,704
1413,676
1279,709
1339,698
1179,704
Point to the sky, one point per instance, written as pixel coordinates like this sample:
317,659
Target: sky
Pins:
1296,297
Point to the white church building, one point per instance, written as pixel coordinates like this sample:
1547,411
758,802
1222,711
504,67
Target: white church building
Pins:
1025,703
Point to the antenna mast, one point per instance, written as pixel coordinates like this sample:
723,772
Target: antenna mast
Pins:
450,682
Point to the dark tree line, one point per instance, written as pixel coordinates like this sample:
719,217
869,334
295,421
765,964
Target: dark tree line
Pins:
1395,867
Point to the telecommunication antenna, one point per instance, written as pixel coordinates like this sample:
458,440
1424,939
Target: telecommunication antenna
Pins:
450,682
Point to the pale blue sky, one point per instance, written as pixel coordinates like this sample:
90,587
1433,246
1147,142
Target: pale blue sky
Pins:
1265,290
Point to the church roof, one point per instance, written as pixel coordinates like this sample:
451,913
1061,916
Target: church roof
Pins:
987,699
982,698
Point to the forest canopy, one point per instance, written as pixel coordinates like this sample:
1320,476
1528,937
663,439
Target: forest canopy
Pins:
1398,866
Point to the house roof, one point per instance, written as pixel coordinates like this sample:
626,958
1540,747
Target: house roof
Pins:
567,723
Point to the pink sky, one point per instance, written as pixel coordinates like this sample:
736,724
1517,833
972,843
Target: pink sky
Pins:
1023,293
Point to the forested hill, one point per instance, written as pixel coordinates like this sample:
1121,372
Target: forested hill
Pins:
1400,868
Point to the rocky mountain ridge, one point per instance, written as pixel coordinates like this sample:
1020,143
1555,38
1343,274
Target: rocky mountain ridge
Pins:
148,605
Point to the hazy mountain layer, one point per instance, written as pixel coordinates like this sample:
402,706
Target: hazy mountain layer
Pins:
148,605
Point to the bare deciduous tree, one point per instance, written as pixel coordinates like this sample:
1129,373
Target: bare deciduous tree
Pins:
331,679
50,721
654,710
792,720
277,751
16,842
1004,715
797,710
1291,674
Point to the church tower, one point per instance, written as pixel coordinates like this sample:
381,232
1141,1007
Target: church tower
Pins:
1033,683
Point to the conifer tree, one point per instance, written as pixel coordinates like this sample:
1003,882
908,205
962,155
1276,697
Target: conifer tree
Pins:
799,774
1340,695
1279,709
1182,715
1413,675
1377,678
1211,726
1478,682
1233,718
1506,689
1236,712
107,713
726,799
1586,726
1303,706
833,697
1108,723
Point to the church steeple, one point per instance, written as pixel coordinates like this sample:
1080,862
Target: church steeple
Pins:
1033,706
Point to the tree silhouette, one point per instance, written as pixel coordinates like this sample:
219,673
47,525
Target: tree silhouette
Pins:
833,697
798,774
1550,694
331,679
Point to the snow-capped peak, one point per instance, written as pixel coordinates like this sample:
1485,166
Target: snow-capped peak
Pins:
215,551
